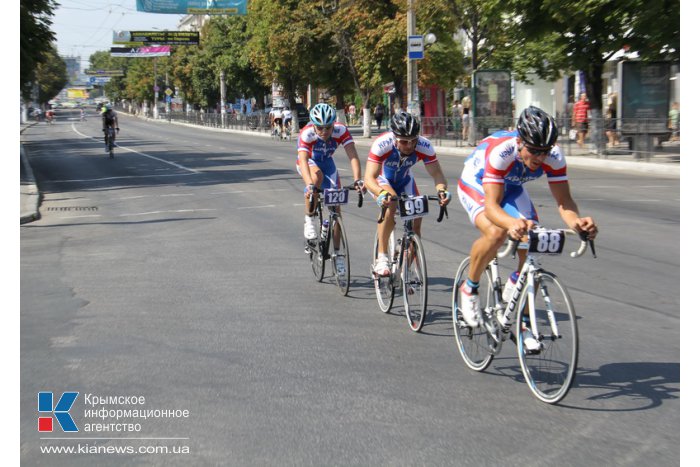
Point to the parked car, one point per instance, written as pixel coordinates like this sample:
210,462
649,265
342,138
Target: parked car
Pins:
302,114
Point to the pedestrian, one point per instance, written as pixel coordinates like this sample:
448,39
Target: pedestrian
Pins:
674,122
379,115
465,123
351,113
456,116
579,119
611,122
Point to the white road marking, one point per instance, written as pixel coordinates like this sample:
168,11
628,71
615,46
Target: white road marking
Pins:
140,153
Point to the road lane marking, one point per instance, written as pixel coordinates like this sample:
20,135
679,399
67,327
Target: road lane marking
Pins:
174,164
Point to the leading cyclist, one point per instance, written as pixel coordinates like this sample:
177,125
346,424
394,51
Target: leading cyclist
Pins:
316,144
109,120
388,175
492,184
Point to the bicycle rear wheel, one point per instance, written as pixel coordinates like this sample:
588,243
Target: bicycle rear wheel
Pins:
415,283
550,371
383,286
318,261
110,140
342,277
476,345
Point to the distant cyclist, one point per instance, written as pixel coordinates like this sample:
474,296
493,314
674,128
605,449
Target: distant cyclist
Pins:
287,119
388,175
316,144
492,192
276,120
109,120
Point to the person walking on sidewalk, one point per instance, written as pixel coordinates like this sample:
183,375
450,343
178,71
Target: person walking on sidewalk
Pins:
379,115
579,119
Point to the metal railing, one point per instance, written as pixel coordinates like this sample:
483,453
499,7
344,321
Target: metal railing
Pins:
636,138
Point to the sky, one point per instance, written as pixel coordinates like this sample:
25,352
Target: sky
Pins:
83,27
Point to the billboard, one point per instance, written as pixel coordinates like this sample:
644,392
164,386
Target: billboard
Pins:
644,97
194,7
163,51
492,94
77,93
139,38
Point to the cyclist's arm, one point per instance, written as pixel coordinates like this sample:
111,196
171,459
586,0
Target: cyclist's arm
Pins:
568,210
435,171
304,167
351,151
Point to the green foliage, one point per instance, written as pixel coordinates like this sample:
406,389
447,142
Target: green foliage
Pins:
51,75
35,39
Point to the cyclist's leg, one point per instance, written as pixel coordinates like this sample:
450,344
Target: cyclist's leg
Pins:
385,228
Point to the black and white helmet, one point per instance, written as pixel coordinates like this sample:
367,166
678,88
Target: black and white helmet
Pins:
537,128
404,124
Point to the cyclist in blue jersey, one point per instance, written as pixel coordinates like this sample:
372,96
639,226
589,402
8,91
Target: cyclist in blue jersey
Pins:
388,175
492,184
316,144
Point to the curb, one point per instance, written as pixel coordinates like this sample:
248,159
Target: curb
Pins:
30,197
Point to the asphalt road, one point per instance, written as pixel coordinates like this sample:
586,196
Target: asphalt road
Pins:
174,277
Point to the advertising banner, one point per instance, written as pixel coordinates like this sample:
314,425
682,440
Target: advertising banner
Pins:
104,72
163,51
645,96
194,7
492,94
140,38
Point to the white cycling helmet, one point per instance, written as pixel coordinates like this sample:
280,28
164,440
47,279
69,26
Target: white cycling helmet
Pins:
322,115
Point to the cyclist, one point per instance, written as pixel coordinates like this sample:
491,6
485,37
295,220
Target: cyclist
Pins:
287,119
276,120
49,116
388,175
316,144
109,120
492,184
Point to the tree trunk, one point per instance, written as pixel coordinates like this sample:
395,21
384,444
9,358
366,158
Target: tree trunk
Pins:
366,115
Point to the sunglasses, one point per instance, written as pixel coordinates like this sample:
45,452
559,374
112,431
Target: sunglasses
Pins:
322,128
538,152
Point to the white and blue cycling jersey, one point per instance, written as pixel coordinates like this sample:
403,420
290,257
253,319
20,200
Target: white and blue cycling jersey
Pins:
321,152
396,170
496,160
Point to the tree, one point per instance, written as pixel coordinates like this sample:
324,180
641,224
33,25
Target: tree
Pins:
592,32
35,39
51,75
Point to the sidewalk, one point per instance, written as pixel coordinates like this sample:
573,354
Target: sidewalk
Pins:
29,195
664,163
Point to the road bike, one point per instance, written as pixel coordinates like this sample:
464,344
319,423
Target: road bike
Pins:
540,302
319,249
407,262
276,132
110,141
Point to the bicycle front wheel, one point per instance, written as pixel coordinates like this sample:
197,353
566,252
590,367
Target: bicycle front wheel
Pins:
383,286
549,371
341,257
475,344
414,276
318,247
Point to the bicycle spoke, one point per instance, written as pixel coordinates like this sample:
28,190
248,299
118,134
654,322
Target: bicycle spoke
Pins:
476,345
383,286
415,283
341,256
550,371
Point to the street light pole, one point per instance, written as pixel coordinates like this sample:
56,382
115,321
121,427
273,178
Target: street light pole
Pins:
412,68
